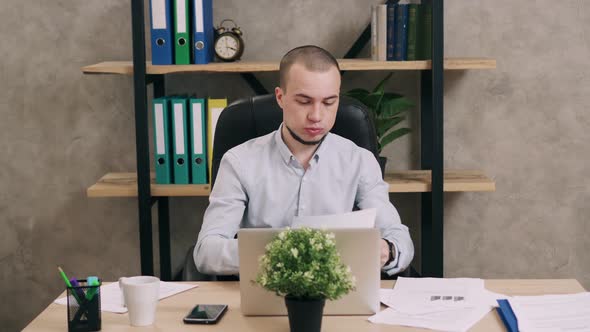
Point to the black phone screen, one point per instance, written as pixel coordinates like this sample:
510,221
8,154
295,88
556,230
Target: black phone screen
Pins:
205,313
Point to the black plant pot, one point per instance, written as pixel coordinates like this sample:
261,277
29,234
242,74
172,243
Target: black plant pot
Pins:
305,315
382,162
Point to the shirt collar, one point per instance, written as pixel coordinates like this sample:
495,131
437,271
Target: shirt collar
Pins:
283,149
286,154
321,150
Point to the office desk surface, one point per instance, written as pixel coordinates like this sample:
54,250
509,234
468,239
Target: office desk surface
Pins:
173,309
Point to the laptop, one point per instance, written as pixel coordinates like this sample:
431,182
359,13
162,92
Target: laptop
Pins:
359,249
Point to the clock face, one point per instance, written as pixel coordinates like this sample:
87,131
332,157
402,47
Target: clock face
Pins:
227,46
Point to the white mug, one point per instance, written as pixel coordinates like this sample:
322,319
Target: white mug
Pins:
141,298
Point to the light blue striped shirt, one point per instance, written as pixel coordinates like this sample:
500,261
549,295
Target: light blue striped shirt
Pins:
261,184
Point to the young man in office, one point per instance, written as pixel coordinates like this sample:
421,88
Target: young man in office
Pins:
299,169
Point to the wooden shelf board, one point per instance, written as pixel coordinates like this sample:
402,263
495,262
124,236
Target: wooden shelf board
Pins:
126,67
125,184
455,180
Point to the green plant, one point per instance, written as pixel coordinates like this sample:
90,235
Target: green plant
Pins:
303,263
387,110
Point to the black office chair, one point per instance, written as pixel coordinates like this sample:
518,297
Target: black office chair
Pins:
253,117
257,116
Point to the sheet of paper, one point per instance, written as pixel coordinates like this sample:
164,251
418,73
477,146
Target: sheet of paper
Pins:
111,296
449,304
356,219
569,312
451,320
425,295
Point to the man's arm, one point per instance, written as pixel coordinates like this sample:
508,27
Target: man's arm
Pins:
216,251
373,192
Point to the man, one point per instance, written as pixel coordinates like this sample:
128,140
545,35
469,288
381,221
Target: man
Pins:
299,169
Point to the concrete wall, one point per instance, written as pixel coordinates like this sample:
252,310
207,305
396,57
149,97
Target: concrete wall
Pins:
524,123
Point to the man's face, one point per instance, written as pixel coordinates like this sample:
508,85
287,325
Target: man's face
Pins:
310,102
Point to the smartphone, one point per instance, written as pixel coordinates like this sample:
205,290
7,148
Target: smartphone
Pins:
205,314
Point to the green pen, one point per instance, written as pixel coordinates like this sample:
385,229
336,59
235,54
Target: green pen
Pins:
92,281
65,278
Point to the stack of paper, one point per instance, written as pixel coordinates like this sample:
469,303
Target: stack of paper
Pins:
434,303
111,296
569,312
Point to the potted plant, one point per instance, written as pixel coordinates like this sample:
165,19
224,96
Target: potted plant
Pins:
387,111
304,266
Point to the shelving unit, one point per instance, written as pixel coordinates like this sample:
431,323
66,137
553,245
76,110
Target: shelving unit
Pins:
431,181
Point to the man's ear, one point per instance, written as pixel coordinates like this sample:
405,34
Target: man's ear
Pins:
279,96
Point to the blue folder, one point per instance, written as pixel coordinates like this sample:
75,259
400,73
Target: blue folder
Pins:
507,316
161,31
203,31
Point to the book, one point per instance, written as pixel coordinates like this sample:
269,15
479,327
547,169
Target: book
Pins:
374,44
401,32
382,32
413,14
424,33
390,31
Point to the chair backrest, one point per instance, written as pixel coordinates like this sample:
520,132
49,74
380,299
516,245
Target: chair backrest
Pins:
257,116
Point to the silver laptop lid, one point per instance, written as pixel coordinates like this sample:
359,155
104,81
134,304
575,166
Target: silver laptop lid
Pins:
359,249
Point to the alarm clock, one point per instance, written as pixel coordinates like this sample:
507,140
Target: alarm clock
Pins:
228,44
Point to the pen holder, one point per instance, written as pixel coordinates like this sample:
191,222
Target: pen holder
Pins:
84,307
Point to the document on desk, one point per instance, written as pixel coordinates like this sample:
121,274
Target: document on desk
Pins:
356,219
544,313
111,296
424,295
436,303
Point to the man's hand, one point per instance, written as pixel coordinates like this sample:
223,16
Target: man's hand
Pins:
384,252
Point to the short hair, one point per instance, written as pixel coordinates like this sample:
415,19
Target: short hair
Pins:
312,57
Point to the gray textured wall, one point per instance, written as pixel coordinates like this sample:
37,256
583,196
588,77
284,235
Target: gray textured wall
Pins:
524,123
